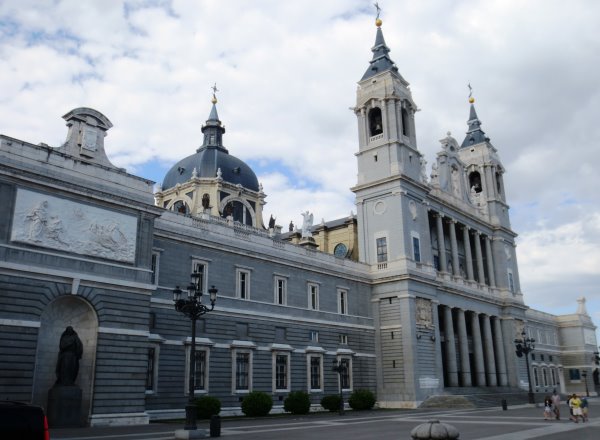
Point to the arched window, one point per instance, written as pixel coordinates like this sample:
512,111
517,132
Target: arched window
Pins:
405,122
375,121
239,212
499,182
181,207
475,181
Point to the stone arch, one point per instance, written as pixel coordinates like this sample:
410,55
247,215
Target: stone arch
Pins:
246,205
375,121
66,310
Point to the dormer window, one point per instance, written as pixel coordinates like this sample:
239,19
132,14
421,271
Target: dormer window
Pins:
375,121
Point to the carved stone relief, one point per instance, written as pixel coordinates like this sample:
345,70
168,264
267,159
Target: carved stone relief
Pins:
424,313
65,225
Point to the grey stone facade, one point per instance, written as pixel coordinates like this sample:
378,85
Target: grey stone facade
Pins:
434,301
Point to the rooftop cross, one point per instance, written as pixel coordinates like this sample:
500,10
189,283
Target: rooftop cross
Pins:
471,99
215,90
378,9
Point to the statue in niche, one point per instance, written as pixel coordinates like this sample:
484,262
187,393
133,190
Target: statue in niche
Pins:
71,350
206,201
271,222
291,227
455,182
423,163
307,224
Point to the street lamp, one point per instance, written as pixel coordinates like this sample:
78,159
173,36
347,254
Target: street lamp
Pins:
584,375
193,308
340,368
524,347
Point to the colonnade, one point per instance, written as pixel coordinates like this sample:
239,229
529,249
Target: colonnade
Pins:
476,268
473,349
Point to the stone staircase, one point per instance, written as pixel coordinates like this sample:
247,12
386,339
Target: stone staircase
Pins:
478,397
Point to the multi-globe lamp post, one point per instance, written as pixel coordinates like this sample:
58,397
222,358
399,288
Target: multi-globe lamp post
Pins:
191,306
339,366
525,346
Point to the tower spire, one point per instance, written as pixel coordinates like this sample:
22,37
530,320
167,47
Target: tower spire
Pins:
475,134
213,129
381,60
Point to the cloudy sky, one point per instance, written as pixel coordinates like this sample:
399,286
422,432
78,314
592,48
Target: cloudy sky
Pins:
287,73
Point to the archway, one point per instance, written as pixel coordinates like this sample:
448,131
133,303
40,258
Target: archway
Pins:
62,312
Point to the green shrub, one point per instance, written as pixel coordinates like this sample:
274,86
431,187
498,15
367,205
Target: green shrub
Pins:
331,402
297,402
207,406
361,399
257,404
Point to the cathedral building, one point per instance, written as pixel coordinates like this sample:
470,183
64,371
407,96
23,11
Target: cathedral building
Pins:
417,295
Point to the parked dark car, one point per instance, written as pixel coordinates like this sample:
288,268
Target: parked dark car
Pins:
21,421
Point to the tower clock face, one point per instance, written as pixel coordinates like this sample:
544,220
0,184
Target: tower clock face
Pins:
340,250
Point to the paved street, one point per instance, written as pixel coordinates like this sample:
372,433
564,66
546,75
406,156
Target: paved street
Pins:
478,424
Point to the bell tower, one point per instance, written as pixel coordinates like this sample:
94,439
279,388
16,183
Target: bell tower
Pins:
390,167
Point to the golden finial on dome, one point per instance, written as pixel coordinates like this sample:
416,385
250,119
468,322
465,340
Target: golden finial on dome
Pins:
471,99
378,21
215,90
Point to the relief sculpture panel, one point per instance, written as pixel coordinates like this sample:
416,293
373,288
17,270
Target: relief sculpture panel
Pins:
65,225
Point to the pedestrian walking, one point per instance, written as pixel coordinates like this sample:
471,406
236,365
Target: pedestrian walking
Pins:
584,408
575,404
548,408
556,404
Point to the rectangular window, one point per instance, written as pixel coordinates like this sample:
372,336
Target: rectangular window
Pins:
243,284
313,296
200,371
280,291
346,374
553,376
200,268
150,369
315,372
154,265
381,243
242,371
281,371
536,379
416,249
574,374
314,336
343,301
344,339
511,282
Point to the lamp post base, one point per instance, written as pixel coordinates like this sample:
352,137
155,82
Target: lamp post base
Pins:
530,397
190,417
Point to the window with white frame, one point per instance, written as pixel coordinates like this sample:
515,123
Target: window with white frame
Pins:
536,379
342,301
344,339
281,371
201,268
280,284
243,283
314,336
313,296
152,369
242,370
200,370
154,267
545,376
315,372
416,244
382,252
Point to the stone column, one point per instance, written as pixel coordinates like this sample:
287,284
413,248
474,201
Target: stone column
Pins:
499,350
479,258
478,351
490,360
468,255
384,119
441,243
364,127
463,344
454,248
450,348
490,262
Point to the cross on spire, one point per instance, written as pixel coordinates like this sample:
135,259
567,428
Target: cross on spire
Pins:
377,8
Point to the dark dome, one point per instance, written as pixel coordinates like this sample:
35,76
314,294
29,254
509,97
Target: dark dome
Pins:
207,161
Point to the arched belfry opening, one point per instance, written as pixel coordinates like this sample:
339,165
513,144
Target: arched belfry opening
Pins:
475,181
375,122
